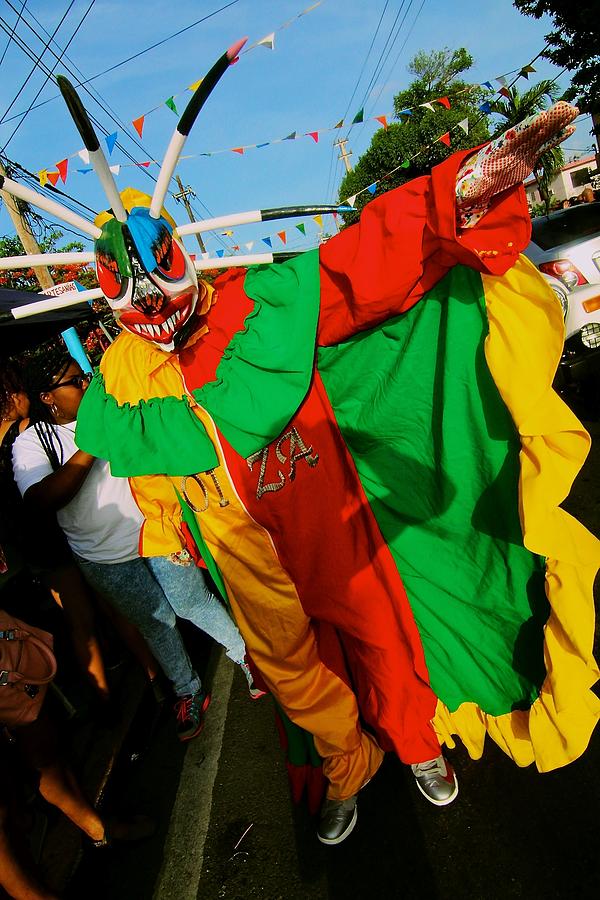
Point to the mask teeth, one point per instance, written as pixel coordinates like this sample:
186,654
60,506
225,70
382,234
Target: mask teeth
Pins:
92,145
184,126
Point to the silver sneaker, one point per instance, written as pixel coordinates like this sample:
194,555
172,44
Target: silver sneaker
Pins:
436,780
338,818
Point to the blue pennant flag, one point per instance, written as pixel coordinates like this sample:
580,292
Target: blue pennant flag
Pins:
220,253
372,188
485,107
268,242
258,146
85,171
111,140
488,85
405,112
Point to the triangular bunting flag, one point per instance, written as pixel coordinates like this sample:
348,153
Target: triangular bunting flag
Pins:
267,241
239,150
488,85
43,176
383,120
220,253
428,105
86,171
444,101
226,233
53,177
171,104
403,165
319,220
505,92
314,135
259,146
372,188
205,255
63,168
194,87
138,124
501,80
526,70
111,140
359,117
115,169
485,107
351,200
84,156
144,165
464,125
339,124
249,246
236,248
267,41
282,237
291,137
445,139
335,216
405,112
301,228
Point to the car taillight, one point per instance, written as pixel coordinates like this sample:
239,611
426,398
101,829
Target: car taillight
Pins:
565,271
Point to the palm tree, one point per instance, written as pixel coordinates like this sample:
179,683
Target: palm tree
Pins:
516,107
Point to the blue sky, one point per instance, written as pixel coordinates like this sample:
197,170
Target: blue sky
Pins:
304,84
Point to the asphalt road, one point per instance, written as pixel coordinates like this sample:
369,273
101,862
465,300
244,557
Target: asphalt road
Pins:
228,830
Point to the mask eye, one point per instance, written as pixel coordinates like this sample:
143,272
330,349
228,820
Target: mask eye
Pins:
170,259
111,281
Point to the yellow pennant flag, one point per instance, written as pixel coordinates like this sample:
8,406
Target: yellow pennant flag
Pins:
43,176
319,220
194,87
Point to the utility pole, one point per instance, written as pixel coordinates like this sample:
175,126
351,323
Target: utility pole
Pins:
344,156
25,234
182,197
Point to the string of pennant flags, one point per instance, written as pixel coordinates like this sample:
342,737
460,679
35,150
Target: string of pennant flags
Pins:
62,168
272,240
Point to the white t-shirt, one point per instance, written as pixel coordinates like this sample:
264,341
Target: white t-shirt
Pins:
102,522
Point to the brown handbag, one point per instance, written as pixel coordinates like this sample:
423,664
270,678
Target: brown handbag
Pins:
27,666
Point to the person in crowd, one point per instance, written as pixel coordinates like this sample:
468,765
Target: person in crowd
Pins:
37,539
102,522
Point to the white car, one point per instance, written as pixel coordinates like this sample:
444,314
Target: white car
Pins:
565,246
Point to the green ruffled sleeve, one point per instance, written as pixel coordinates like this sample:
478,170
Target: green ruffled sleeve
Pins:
157,436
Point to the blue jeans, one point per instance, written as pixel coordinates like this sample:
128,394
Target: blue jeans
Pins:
141,597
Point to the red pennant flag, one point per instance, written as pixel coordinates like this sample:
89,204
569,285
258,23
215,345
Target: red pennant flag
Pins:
144,164
239,150
314,135
63,167
445,139
138,124
53,177
444,101
282,237
383,120
505,92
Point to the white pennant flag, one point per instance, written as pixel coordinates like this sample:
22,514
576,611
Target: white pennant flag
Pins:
267,41
249,246
205,255
464,125
428,105
84,156
351,200
115,169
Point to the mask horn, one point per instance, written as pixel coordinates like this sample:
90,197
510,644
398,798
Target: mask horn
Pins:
184,126
92,145
50,206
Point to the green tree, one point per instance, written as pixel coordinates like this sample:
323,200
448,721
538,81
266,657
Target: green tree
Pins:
416,134
574,44
518,106
25,280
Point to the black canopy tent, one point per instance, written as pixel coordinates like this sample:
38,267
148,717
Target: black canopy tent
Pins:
17,335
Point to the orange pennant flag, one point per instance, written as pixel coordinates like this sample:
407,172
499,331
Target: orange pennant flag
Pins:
63,167
314,135
43,176
138,124
282,237
239,150
445,139
53,177
383,120
444,101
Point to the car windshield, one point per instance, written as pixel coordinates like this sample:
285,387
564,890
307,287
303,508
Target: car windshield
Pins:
566,226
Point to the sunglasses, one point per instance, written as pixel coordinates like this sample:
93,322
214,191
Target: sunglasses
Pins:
77,381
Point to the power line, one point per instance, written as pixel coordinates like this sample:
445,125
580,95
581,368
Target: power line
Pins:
14,28
136,55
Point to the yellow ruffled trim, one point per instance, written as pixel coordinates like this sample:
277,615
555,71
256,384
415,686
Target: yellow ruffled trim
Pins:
523,348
